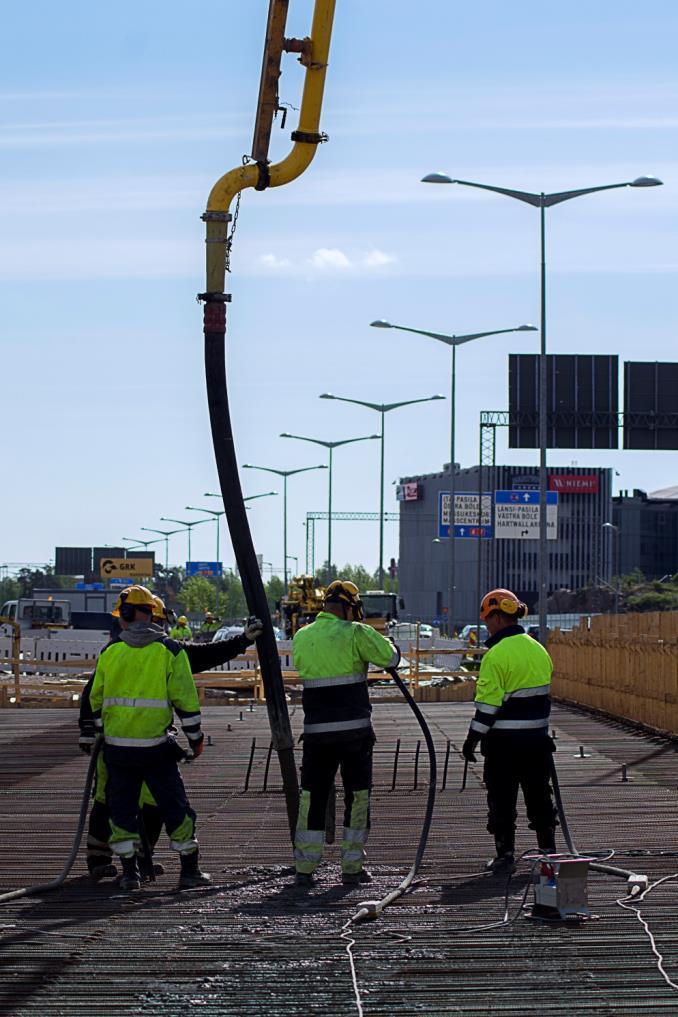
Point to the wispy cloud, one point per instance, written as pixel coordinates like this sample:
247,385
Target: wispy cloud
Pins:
326,261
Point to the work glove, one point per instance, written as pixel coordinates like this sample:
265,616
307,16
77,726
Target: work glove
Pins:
253,628
85,743
197,748
469,747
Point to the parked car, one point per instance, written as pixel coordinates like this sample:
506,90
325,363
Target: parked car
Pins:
466,637
226,631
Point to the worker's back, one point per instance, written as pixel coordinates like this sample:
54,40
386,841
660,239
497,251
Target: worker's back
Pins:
514,686
332,657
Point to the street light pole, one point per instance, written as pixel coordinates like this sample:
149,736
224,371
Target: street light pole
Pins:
542,201
383,409
189,526
284,474
212,512
330,446
166,534
453,341
612,527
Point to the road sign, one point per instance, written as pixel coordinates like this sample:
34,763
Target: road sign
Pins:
465,514
516,515
209,569
127,568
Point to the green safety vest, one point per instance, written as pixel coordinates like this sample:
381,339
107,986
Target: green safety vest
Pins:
332,657
136,691
514,685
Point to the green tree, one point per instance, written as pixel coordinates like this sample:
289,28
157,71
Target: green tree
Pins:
357,574
232,603
9,590
275,590
31,579
198,595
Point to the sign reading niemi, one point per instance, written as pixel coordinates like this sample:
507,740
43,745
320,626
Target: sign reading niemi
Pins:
573,483
124,568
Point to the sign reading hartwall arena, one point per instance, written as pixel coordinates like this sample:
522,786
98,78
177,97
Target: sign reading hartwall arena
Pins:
516,515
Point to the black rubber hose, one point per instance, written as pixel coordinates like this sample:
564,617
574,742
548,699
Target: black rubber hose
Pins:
32,891
372,909
241,538
611,870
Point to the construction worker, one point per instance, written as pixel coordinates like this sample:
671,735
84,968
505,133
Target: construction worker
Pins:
210,625
202,657
511,722
181,630
331,655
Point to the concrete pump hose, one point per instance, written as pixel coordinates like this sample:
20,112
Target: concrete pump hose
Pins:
372,909
611,870
31,891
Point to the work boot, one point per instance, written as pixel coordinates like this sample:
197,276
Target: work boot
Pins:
105,870
191,875
304,880
130,879
502,865
356,878
546,840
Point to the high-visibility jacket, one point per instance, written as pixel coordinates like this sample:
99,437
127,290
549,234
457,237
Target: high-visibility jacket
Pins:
331,657
136,689
181,632
513,693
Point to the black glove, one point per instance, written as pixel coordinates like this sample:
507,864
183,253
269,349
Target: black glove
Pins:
469,747
85,743
254,627
197,747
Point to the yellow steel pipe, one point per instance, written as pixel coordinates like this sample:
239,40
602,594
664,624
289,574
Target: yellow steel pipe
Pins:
306,138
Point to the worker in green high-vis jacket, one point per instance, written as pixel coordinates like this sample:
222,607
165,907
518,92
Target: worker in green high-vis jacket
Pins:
332,656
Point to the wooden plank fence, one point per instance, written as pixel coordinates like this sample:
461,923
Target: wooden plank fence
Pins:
625,665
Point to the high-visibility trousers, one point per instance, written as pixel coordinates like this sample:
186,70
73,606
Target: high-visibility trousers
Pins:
318,769
128,769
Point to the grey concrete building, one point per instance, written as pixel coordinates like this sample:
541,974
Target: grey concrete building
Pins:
581,552
647,535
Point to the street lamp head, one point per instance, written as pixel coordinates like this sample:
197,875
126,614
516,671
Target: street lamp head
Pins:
437,178
327,395
381,323
646,181
438,396
527,328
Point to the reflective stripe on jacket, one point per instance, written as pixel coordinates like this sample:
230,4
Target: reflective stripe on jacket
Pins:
331,657
136,689
513,693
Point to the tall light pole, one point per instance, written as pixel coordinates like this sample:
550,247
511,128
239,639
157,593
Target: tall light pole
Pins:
217,515
189,526
284,474
210,512
166,534
613,528
295,560
453,341
330,446
542,201
383,409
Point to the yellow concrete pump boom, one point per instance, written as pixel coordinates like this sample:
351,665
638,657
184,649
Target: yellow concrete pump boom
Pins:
314,56
260,174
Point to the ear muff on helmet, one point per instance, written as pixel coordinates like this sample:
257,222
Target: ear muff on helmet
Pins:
504,601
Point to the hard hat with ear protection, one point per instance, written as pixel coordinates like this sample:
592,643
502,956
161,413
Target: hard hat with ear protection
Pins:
504,601
134,598
343,591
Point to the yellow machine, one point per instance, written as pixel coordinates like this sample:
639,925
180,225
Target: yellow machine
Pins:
303,602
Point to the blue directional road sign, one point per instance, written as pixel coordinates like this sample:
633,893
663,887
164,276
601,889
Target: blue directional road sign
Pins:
209,569
473,532
516,515
465,515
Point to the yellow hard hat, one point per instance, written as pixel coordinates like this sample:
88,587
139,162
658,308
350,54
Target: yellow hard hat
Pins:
504,601
182,620
135,597
159,609
343,591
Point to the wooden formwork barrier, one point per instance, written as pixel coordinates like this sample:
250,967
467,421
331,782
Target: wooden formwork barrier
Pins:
625,665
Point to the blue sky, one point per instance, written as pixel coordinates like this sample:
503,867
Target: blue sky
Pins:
114,124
